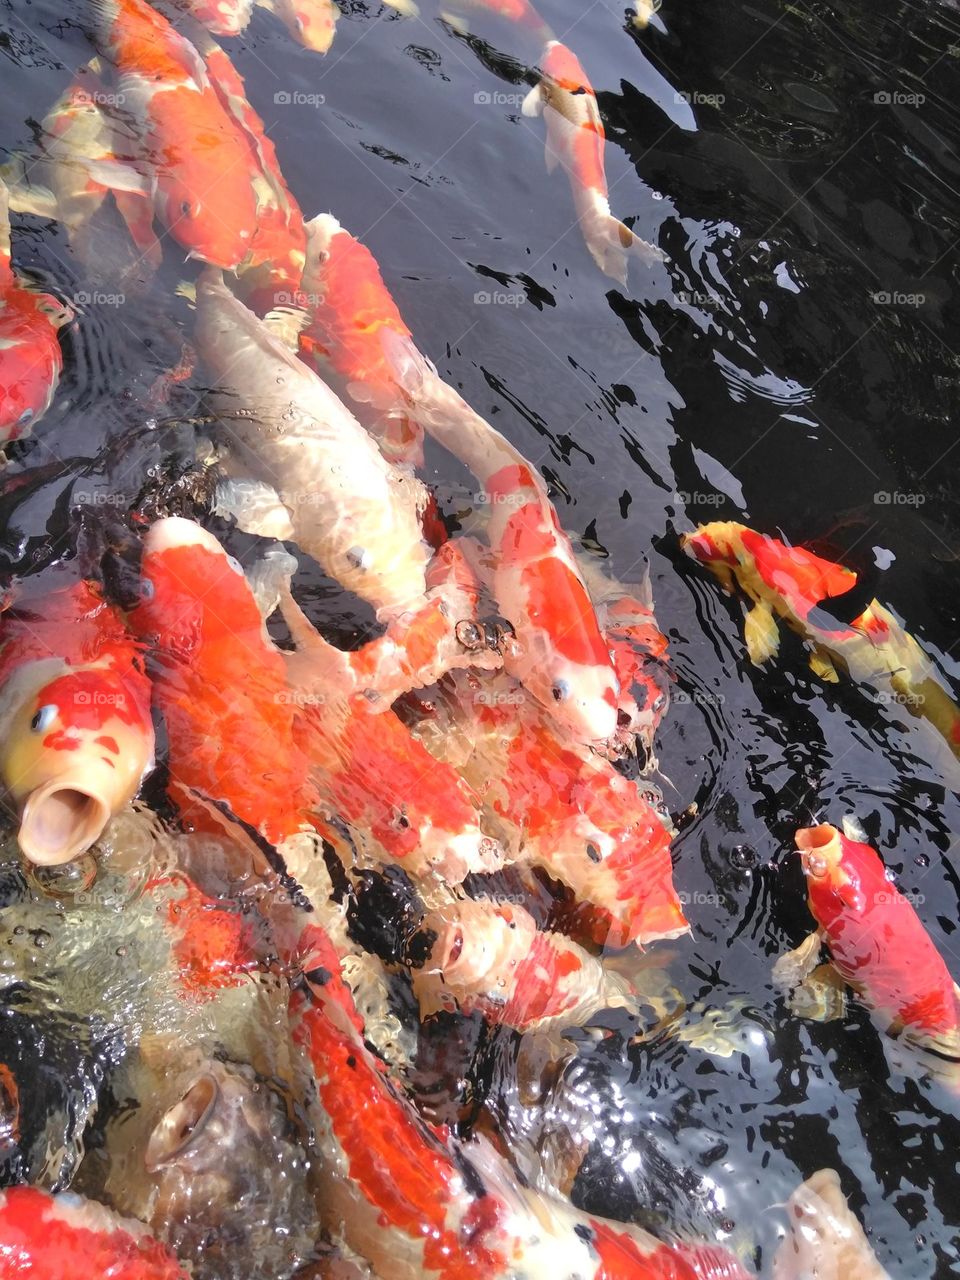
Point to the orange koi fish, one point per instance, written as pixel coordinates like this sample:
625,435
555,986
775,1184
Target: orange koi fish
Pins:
270,274
221,688
491,957
414,1206
520,12
75,714
878,943
353,322
311,22
571,815
30,357
48,1237
191,158
575,140
787,582
222,17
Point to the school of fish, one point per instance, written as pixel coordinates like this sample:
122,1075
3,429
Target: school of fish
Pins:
479,741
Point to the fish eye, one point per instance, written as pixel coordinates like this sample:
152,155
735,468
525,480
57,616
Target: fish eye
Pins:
188,209
44,718
561,690
147,589
359,558
235,565
24,417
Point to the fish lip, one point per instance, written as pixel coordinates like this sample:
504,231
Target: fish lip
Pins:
820,843
57,800
176,531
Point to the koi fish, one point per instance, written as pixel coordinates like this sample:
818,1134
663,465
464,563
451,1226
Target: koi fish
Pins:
573,816
560,654
336,495
65,181
30,357
191,158
214,669
878,944
415,1206
520,12
575,140
824,1239
271,271
490,956
48,1237
789,582
210,1162
222,17
311,22
75,714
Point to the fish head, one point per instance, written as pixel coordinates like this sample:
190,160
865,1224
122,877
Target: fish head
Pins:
209,206
310,22
225,1175
77,743
714,544
191,591
830,865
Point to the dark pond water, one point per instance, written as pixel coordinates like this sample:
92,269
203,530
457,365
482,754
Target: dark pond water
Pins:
794,366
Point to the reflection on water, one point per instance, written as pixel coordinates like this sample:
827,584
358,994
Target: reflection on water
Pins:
793,366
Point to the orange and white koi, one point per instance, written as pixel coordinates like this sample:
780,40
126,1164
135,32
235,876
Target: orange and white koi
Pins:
878,944
191,158
335,494
222,17
575,140
30,356
221,688
573,816
75,712
560,654
490,957
788,582
48,1237
415,1206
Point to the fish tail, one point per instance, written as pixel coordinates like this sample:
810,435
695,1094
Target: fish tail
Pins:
611,243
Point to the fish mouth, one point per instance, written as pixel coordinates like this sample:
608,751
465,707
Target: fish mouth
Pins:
819,846
60,821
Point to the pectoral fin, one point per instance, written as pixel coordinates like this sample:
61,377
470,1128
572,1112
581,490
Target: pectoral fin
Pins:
821,666
761,634
820,997
532,104
795,965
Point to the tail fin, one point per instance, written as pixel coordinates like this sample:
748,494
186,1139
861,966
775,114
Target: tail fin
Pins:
610,242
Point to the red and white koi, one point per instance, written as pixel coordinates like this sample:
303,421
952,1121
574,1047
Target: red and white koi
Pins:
490,957
30,356
312,23
415,1206
75,716
575,140
48,1237
572,815
878,944
222,17
190,156
353,322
